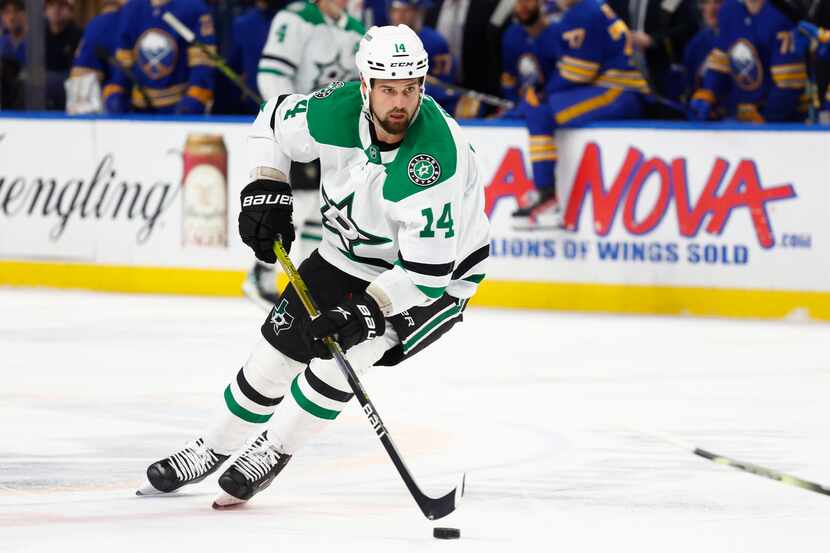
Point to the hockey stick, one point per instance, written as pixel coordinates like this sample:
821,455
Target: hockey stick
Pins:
480,96
218,60
742,465
433,508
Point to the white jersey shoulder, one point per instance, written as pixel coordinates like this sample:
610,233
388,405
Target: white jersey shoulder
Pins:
410,220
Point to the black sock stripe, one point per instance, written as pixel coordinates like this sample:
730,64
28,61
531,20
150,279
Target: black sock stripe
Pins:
252,394
471,261
324,389
430,269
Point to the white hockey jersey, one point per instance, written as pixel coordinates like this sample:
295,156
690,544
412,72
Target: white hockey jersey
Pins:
409,220
306,50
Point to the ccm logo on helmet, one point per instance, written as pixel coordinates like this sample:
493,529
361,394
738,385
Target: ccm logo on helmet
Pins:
402,64
267,199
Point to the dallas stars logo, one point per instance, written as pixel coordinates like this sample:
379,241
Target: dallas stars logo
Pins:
424,170
330,71
337,217
328,90
280,319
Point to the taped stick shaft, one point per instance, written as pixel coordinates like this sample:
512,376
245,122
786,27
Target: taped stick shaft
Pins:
218,60
751,468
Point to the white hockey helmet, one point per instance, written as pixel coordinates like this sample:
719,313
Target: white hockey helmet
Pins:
390,52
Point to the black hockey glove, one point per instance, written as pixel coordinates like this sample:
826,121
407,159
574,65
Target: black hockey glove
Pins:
267,207
356,319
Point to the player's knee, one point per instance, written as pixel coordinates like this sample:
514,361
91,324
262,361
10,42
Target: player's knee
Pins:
269,371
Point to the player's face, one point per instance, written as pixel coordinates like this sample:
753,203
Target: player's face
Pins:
333,8
527,11
709,9
394,103
401,14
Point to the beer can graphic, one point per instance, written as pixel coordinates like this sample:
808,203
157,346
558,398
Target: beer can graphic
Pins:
205,191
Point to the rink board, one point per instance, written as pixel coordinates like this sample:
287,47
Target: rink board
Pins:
714,220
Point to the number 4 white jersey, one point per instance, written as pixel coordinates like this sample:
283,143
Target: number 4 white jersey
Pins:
306,50
409,220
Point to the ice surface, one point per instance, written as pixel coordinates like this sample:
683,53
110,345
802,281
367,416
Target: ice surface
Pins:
545,413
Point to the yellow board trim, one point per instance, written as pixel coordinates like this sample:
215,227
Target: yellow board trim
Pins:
566,296
109,278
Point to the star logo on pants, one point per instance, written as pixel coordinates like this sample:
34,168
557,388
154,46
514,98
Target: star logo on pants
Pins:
280,318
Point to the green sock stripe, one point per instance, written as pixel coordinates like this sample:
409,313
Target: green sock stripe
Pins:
474,278
310,406
307,236
240,411
413,340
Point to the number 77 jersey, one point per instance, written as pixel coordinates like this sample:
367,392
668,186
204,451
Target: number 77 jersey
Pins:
408,218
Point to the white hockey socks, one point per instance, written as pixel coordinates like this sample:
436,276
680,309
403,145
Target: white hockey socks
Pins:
252,397
310,405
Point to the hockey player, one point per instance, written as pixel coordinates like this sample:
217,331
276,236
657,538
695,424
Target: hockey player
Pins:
697,51
91,70
174,77
310,44
522,60
806,36
404,245
595,81
754,72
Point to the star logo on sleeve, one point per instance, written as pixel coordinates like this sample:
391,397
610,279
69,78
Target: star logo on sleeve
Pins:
337,218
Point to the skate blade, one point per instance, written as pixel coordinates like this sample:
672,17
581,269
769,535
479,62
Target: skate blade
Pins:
250,291
227,501
147,489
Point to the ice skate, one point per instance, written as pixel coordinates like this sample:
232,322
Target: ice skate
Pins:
260,286
250,473
190,465
541,212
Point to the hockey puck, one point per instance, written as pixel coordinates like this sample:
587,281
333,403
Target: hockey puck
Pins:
446,533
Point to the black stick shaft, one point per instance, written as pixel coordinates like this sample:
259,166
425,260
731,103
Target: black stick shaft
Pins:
761,471
433,508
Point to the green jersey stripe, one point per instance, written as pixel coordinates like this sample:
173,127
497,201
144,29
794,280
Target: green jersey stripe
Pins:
432,292
240,411
413,340
474,278
308,405
274,71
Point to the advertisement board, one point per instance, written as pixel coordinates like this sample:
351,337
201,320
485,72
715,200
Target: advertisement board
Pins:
667,220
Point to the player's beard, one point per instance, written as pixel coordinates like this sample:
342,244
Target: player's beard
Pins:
394,126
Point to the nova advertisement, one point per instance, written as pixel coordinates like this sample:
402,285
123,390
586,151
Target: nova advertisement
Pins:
673,219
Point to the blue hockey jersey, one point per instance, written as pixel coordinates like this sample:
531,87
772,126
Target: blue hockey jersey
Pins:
526,61
754,71
441,66
594,49
175,76
249,33
98,43
695,56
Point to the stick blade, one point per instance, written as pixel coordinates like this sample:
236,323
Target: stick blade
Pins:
435,508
